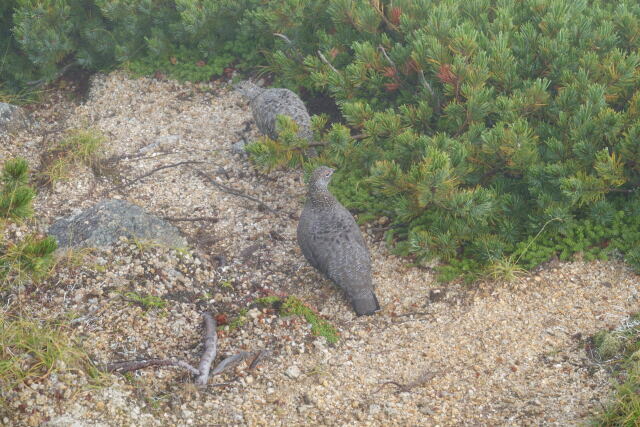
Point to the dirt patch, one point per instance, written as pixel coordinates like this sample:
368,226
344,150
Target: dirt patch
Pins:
495,354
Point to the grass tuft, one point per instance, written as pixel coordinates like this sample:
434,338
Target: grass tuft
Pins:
146,301
79,146
33,350
292,306
620,350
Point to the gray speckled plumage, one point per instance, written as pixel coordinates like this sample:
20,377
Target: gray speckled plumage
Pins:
331,241
267,104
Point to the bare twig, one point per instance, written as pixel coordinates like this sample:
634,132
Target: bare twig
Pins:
230,361
378,8
197,218
291,45
384,53
94,312
256,360
210,349
235,192
173,165
283,37
425,377
426,84
323,59
134,365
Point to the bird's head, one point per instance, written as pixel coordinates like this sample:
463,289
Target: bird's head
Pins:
247,89
320,178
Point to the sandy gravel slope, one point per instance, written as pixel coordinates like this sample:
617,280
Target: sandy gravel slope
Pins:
492,354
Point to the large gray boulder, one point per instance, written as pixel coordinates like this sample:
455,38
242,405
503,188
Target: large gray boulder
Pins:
12,118
102,225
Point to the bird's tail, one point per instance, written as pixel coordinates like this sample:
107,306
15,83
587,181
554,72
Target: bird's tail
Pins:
365,304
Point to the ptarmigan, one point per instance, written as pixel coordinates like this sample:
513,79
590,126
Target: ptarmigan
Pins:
331,241
267,104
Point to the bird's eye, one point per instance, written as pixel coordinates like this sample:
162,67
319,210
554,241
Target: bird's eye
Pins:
328,174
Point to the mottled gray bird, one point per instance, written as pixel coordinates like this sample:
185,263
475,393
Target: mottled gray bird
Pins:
267,104
331,241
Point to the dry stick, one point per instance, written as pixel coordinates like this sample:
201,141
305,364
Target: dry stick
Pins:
134,365
425,83
210,349
283,37
427,376
230,361
94,312
256,360
198,218
384,52
323,59
290,43
235,192
173,165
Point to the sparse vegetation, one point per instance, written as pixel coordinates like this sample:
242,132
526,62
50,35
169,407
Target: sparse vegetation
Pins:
619,350
31,257
32,350
292,306
79,146
147,302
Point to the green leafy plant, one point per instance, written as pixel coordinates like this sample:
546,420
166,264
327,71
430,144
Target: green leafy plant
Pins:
32,257
292,306
147,302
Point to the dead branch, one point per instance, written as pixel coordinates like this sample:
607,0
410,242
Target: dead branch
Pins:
197,218
210,349
95,312
230,361
402,388
173,165
379,9
134,365
384,53
256,360
235,192
323,59
283,37
291,45
202,373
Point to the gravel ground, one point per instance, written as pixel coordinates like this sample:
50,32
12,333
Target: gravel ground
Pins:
492,354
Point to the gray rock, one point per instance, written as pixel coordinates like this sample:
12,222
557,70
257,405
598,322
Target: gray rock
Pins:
267,104
331,241
12,118
104,223
238,147
293,372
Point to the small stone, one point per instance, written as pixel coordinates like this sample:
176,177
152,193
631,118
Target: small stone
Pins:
254,313
238,147
293,372
374,409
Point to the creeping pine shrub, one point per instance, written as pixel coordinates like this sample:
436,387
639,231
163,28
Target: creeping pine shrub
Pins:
469,124
488,132
31,257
